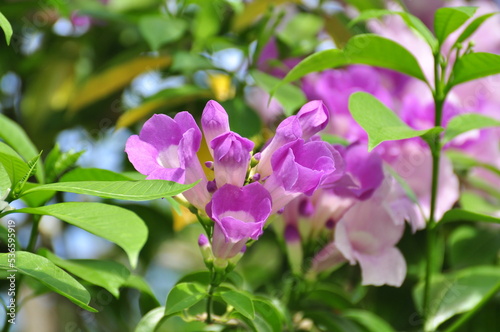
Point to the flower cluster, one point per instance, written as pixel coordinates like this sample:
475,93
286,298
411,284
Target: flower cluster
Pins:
237,197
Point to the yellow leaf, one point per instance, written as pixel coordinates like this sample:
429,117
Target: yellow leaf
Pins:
253,10
114,79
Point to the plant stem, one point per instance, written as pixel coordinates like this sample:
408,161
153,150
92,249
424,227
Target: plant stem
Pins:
211,290
465,317
33,234
435,147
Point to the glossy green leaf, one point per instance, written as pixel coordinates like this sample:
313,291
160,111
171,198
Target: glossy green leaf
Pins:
150,320
449,19
14,165
16,137
58,162
184,296
461,160
464,215
473,66
374,50
380,123
369,320
44,271
267,315
36,198
368,49
241,302
178,324
473,26
110,222
6,27
142,190
289,96
5,183
412,21
32,167
109,275
465,122
93,174
457,293
159,30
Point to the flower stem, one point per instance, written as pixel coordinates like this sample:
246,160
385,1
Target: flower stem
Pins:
211,289
33,234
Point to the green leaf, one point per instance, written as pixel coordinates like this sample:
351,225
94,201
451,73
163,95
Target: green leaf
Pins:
109,275
32,166
110,222
474,65
465,122
289,96
473,26
5,183
159,30
412,21
456,293
6,27
149,321
363,5
327,321
14,165
373,50
461,160
380,123
241,302
93,174
184,296
368,49
142,190
464,215
137,282
58,162
15,136
300,33
369,320
47,273
449,19
269,315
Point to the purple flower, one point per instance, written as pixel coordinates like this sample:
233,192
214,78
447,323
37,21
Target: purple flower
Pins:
214,122
364,173
300,168
313,118
166,150
239,215
231,158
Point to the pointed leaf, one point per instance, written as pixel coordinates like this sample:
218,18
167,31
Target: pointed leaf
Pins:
109,275
474,65
473,26
47,273
410,20
5,183
457,292
449,19
6,27
184,296
465,122
16,137
464,215
369,320
241,302
269,315
14,165
93,174
110,222
380,123
142,190
149,321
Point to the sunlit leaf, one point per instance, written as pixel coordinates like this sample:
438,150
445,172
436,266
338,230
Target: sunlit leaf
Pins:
142,190
369,320
110,222
113,79
5,182
184,296
449,19
465,122
241,302
14,165
456,293
474,65
473,26
380,123
6,27
93,174
161,29
150,320
253,10
15,136
109,275
464,215
44,271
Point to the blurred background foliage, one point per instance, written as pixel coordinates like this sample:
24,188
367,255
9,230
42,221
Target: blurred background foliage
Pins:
87,73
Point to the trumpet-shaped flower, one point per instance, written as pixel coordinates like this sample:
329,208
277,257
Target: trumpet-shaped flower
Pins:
166,150
239,215
214,122
231,158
